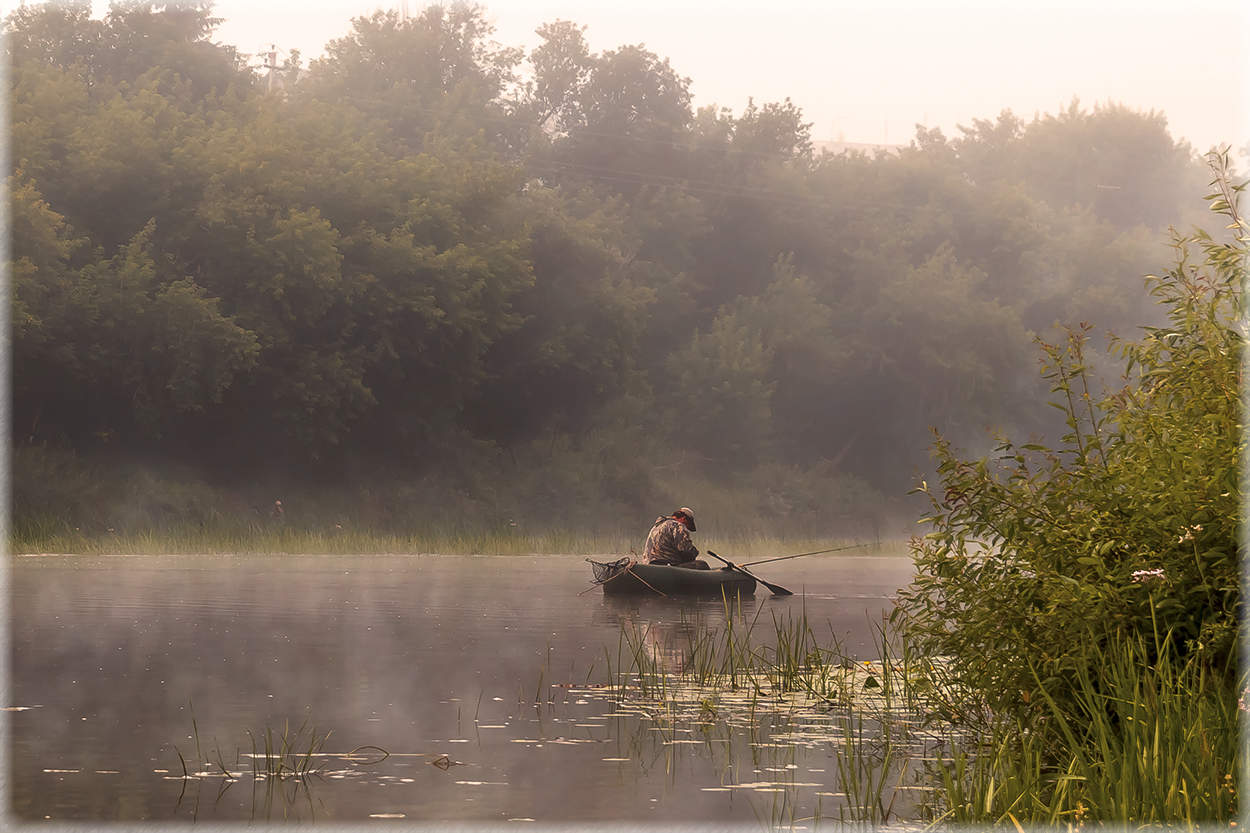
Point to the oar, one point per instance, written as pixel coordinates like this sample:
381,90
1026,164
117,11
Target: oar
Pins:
777,589
800,555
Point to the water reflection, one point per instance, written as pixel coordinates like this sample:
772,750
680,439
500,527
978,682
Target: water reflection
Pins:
283,779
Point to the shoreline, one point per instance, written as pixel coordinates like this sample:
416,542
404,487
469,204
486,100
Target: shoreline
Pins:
313,544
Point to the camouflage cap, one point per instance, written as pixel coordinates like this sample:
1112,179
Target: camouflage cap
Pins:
689,513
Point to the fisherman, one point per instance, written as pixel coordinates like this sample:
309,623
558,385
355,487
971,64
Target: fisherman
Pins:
669,541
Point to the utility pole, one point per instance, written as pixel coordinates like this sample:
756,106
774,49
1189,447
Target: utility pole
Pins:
271,63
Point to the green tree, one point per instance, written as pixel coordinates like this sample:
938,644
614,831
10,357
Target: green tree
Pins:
116,349
776,131
561,65
719,391
577,343
1121,163
625,126
437,72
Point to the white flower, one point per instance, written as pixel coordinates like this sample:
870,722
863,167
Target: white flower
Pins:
1189,533
1143,576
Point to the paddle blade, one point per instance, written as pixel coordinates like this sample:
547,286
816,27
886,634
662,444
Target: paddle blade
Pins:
777,589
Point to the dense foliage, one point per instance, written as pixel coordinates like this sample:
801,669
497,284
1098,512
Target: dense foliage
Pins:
405,259
1042,559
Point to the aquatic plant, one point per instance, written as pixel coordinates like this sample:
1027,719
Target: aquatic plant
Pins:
289,754
734,674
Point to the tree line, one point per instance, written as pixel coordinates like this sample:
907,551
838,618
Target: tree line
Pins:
429,251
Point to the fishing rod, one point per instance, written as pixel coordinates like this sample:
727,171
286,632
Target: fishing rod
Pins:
800,555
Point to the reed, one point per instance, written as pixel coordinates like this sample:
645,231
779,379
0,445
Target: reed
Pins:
266,540
864,770
1155,740
46,534
291,754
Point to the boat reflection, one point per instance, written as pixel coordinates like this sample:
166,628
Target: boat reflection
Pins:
673,630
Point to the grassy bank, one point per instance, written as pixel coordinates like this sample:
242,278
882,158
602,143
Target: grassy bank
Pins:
1151,741
57,538
64,503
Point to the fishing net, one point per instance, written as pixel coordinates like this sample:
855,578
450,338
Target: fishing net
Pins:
607,570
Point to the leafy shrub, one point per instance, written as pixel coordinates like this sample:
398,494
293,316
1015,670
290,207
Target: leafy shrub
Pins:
1039,558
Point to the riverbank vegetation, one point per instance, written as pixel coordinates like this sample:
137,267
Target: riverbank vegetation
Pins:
65,504
1074,622
1089,594
1148,736
429,279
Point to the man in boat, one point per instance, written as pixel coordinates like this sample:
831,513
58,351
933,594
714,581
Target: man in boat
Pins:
669,541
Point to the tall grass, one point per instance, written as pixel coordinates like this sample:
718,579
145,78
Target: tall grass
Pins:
53,537
43,534
1154,741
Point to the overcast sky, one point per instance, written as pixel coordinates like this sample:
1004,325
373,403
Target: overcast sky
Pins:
869,72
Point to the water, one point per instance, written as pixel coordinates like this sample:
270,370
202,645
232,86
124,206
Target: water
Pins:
424,656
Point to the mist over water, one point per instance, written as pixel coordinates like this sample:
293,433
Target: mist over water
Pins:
422,656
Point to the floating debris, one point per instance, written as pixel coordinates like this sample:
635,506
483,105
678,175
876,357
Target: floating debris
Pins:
388,816
445,762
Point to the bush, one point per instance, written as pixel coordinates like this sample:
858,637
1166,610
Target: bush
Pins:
1041,558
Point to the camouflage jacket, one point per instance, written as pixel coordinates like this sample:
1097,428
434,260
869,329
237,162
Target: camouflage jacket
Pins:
669,543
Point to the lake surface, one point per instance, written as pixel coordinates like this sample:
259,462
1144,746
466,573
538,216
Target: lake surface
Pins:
482,677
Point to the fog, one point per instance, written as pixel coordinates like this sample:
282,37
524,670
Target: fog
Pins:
868,72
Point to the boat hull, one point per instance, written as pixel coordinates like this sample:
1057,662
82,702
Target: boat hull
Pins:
658,579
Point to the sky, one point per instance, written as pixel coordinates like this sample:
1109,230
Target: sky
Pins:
870,71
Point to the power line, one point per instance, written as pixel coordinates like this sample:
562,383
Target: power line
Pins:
701,187
689,143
